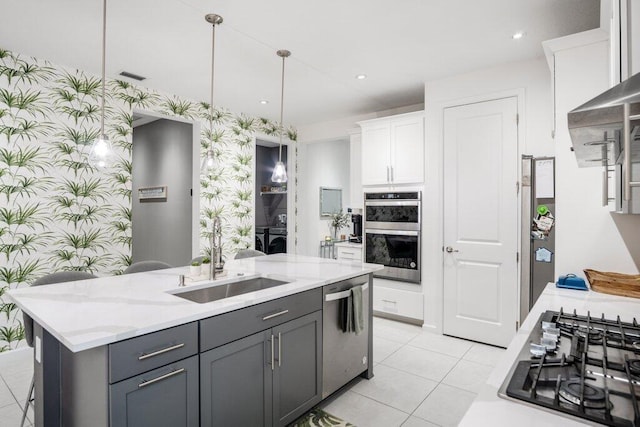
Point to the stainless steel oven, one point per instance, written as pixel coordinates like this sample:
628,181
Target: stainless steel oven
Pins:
392,234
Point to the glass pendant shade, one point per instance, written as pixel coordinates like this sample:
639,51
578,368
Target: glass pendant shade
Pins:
208,163
279,173
101,152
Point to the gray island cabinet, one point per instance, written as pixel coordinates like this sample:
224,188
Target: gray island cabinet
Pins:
255,366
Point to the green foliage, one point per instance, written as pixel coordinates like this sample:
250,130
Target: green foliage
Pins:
24,72
31,159
339,220
91,239
25,129
11,333
28,215
24,186
245,123
179,107
91,188
81,137
21,272
80,84
30,101
23,243
57,212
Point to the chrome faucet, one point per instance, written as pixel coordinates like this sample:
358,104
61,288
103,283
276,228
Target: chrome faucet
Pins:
216,250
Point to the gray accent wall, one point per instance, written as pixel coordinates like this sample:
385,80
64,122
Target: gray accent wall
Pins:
162,156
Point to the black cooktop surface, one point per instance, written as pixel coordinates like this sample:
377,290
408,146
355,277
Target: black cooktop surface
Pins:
583,366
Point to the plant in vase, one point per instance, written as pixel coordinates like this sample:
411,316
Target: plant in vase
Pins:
206,263
194,269
339,221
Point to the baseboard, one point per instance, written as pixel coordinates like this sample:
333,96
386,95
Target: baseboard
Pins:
391,316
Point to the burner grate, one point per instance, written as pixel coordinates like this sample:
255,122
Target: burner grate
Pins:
596,376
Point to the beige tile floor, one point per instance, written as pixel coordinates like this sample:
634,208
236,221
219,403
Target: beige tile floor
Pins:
16,370
421,379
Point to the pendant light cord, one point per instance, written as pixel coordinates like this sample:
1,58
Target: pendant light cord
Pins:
104,54
213,48
281,111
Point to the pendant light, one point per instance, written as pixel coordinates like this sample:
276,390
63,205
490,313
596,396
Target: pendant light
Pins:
101,152
279,171
209,161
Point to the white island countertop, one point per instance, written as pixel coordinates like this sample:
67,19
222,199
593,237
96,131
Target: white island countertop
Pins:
90,313
488,409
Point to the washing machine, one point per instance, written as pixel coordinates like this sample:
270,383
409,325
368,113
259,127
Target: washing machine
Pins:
277,238
262,236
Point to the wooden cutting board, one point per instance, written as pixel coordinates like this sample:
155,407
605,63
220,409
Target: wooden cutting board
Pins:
626,285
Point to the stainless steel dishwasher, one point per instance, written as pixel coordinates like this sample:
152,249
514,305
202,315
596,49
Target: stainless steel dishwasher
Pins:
345,354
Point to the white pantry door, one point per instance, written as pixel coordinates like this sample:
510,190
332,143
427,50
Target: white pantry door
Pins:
480,221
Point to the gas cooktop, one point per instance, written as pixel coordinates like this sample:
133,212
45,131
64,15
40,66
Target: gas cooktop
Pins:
581,366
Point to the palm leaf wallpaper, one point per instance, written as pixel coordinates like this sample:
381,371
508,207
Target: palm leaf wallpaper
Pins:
59,213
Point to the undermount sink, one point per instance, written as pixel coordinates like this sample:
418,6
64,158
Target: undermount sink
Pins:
218,292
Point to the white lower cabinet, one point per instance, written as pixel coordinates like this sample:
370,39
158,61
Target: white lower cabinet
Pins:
349,251
390,299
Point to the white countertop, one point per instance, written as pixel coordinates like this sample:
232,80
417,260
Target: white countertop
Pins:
90,313
488,409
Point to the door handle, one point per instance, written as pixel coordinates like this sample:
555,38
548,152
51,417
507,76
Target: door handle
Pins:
387,173
272,354
279,349
449,249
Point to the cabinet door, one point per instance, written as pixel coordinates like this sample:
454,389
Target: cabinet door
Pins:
375,153
407,150
166,396
235,383
297,376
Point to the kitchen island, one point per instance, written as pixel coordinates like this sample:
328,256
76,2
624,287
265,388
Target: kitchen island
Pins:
103,345
489,409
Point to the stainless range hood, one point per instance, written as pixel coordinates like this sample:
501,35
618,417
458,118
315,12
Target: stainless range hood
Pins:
597,126
605,132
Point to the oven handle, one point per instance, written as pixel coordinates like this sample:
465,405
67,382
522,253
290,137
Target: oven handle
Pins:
392,232
344,294
392,203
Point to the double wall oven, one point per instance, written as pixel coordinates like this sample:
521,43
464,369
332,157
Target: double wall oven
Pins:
392,234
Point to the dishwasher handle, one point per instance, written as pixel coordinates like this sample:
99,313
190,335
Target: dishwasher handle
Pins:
344,294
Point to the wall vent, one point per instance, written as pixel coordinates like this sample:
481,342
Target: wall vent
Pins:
132,76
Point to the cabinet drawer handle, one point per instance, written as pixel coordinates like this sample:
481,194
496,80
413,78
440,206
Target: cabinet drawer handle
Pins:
271,316
348,253
160,378
159,352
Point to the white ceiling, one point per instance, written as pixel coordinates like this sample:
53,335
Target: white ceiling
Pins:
398,44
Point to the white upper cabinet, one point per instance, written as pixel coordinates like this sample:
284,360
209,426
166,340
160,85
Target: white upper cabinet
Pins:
376,153
393,150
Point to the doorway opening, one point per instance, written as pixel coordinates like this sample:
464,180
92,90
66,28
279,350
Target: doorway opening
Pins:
162,200
270,201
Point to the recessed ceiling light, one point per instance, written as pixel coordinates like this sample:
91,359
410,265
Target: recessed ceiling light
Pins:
264,102
518,35
361,76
